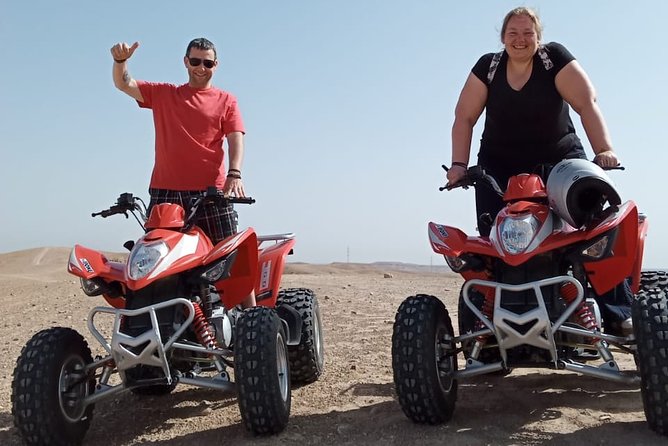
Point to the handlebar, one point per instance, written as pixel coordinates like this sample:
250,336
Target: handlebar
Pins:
476,175
124,204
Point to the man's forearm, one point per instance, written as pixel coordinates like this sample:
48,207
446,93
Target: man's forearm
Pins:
235,143
121,75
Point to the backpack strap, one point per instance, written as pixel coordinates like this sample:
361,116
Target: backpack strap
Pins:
493,65
496,58
545,58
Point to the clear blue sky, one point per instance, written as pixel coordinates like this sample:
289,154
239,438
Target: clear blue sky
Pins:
348,107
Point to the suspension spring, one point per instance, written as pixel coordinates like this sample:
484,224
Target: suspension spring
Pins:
569,292
488,304
202,330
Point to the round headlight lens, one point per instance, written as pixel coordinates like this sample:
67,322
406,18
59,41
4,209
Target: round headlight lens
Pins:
516,233
144,258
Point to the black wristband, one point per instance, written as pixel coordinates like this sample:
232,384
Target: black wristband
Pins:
234,175
233,170
119,61
459,164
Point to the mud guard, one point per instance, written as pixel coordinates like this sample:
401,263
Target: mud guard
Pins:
238,286
637,267
87,264
450,241
271,263
292,321
605,274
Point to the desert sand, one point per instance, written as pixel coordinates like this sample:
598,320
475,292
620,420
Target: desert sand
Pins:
354,401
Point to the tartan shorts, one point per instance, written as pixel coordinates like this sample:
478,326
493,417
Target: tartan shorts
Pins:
217,222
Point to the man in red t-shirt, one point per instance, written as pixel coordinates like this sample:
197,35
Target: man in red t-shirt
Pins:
191,121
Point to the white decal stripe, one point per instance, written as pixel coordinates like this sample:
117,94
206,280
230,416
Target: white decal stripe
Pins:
434,239
187,245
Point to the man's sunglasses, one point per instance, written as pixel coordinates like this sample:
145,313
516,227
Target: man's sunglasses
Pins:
196,61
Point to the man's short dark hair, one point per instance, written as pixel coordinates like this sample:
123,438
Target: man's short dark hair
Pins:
201,44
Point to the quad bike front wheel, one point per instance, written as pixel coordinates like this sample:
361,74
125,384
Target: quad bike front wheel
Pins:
650,326
424,360
262,371
48,388
307,359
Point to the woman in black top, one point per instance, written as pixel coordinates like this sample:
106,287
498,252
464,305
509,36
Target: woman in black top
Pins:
526,91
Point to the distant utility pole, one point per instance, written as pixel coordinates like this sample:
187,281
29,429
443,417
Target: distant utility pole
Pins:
347,254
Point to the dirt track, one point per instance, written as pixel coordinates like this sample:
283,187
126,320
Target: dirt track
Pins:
353,403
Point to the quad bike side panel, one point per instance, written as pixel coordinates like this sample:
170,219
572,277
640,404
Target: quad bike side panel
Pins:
271,263
234,289
607,273
452,242
88,264
643,225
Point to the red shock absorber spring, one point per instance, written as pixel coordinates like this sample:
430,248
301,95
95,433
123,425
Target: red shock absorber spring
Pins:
488,304
202,329
570,292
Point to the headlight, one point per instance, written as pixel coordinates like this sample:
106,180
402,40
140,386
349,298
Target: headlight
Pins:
597,249
219,270
517,232
144,259
456,264
91,287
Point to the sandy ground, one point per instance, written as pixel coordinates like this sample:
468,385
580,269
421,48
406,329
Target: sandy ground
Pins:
353,402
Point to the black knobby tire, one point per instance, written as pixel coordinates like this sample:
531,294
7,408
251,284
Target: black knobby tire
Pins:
651,280
307,360
424,360
650,326
48,386
262,371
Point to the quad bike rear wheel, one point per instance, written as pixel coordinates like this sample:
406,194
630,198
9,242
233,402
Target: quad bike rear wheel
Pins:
424,360
262,371
650,280
307,359
48,388
650,326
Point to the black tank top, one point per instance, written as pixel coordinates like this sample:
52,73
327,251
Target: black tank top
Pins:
531,126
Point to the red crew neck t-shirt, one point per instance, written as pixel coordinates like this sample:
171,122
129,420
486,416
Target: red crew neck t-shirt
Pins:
190,126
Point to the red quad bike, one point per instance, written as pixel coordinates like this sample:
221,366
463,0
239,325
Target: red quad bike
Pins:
174,318
532,295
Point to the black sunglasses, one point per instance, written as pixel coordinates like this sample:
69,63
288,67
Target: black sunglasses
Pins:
195,61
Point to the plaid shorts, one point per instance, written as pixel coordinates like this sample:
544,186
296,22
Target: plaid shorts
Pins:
217,222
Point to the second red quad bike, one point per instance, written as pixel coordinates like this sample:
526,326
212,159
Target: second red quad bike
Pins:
533,293
174,318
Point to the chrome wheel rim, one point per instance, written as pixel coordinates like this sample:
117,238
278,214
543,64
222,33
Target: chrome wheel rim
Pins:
445,362
282,367
73,388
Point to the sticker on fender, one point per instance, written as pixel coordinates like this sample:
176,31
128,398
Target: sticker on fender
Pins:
264,278
86,265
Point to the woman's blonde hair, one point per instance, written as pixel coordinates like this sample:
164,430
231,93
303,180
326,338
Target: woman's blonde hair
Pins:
523,10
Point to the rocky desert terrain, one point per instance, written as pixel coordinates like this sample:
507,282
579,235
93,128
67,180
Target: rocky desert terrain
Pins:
354,401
